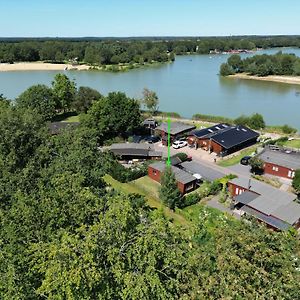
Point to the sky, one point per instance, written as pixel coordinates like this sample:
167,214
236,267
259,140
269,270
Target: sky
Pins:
123,18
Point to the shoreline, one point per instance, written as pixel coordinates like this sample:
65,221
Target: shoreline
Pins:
270,78
40,66
45,66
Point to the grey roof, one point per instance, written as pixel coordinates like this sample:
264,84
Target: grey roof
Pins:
267,219
289,213
176,127
180,175
281,158
134,149
263,189
206,172
175,160
269,201
246,197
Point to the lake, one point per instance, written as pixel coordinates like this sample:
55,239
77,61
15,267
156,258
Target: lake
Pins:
189,85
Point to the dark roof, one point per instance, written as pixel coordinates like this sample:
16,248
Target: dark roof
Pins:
180,175
267,219
206,172
206,132
176,127
289,213
234,136
56,127
281,158
151,122
246,197
134,149
175,160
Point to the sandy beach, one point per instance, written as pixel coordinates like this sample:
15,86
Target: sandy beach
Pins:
40,66
271,78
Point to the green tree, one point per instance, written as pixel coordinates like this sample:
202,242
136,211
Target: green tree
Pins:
39,98
84,98
64,91
296,181
242,120
256,121
169,192
226,70
235,62
114,115
257,165
150,100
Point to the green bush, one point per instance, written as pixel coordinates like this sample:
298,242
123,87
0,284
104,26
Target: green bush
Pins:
288,129
215,187
211,118
182,156
189,199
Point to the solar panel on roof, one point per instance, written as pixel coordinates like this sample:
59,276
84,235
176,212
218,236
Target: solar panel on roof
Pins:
244,129
218,127
210,130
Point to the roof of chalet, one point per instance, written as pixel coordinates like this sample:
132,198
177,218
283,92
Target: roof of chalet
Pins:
207,132
234,135
134,149
270,220
180,175
268,201
206,172
176,127
281,158
56,127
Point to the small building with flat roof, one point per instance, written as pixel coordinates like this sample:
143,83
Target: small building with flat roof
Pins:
130,151
56,127
280,162
177,130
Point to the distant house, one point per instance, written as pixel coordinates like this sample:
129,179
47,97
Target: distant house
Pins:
150,123
185,181
223,139
56,127
177,129
272,206
130,151
280,162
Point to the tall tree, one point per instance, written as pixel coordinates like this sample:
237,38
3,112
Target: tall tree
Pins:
113,115
150,100
84,98
64,91
39,98
296,181
169,192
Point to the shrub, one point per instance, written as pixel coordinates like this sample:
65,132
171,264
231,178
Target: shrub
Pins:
182,156
189,199
215,187
288,129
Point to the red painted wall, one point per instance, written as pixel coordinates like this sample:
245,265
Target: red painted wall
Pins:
155,175
235,189
282,171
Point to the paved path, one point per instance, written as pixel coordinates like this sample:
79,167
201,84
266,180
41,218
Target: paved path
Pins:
214,203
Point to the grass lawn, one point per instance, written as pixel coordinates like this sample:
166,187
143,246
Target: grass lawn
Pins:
149,188
236,159
71,119
292,144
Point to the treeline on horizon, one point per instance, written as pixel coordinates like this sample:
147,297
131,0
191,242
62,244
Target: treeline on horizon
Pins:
104,51
66,234
262,65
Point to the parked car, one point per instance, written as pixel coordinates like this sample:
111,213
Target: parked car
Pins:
152,139
245,160
179,144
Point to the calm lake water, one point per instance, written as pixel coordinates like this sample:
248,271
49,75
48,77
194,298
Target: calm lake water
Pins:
189,85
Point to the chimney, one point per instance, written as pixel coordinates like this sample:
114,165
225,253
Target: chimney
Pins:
249,184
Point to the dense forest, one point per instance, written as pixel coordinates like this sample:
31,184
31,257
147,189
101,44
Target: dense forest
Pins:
262,65
139,50
66,234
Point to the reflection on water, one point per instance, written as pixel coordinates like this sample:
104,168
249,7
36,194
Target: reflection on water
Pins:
188,86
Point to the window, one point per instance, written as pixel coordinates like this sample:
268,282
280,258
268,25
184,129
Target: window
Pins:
275,169
236,191
189,186
291,174
154,172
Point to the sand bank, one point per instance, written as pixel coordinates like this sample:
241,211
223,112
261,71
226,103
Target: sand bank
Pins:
272,78
40,66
